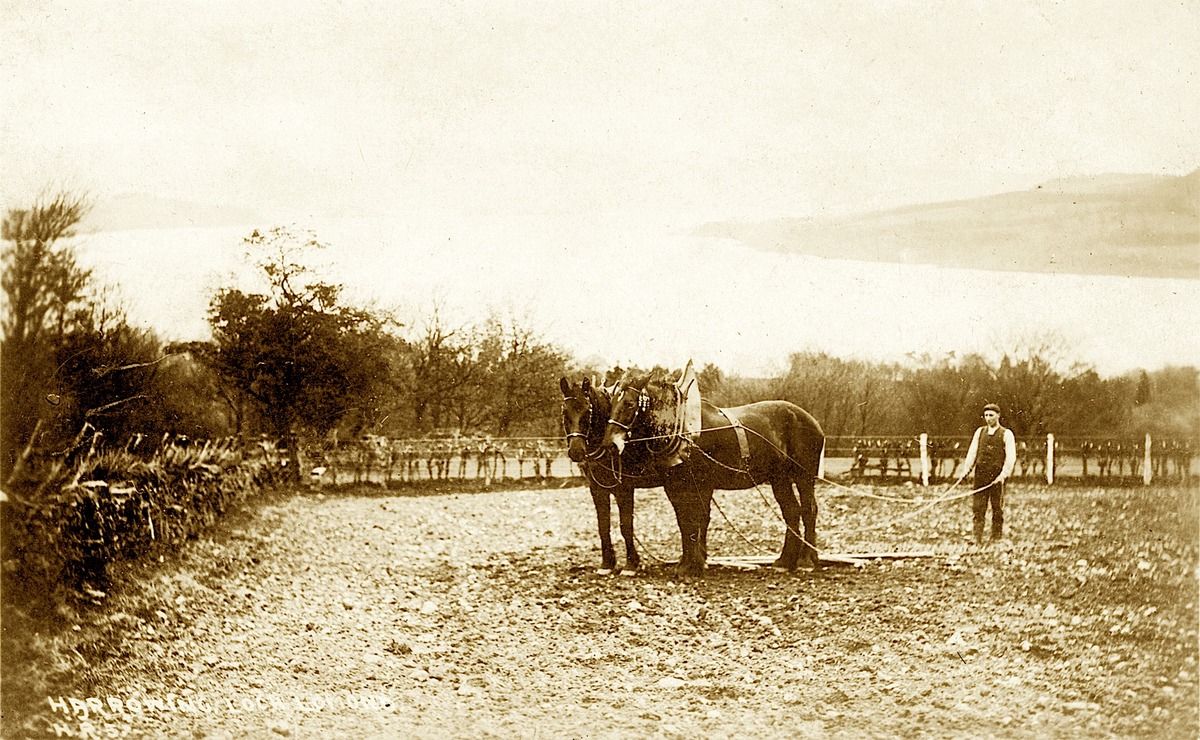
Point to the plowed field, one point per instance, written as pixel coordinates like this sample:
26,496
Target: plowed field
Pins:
386,614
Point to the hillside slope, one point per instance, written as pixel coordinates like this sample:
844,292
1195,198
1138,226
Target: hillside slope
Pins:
1132,225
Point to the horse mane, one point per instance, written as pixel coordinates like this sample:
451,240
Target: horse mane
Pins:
600,399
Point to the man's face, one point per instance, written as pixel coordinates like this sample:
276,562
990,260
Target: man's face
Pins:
991,417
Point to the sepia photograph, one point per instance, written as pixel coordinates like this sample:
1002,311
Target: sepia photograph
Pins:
599,370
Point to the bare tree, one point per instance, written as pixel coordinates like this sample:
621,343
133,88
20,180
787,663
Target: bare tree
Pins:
1029,382
844,395
442,369
42,284
940,392
41,279
519,374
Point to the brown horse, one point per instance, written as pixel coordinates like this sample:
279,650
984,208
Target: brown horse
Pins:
585,415
773,442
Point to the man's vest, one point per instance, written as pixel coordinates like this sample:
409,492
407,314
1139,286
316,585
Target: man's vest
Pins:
989,460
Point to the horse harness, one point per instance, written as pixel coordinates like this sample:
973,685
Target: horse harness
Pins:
743,442
677,437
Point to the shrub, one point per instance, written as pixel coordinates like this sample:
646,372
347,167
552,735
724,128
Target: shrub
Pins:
107,505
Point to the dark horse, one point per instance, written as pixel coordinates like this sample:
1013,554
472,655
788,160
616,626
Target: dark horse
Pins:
585,415
778,443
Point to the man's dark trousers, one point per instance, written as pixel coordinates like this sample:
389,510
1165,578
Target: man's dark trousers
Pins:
993,495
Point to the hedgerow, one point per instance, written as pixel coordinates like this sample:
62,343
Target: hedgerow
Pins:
79,516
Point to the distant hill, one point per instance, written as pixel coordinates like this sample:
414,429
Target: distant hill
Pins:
1132,225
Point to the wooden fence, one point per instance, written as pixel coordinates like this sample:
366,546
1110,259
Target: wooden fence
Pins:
926,459
922,459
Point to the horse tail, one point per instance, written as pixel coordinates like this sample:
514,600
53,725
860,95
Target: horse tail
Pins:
806,444
807,441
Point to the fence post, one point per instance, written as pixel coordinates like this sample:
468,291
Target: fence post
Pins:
924,459
335,458
821,463
1146,474
1049,459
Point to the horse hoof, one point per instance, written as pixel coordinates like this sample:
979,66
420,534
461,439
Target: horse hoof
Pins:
604,571
628,573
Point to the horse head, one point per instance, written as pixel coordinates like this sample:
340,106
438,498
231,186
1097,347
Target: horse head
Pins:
629,400
585,410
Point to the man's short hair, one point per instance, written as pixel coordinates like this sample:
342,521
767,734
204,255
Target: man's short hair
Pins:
991,407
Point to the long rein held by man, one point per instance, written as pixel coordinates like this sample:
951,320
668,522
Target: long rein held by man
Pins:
642,404
675,434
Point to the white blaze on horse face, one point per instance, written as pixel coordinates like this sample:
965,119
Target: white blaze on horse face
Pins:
618,440
616,430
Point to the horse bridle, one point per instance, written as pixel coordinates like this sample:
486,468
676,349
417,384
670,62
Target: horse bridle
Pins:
585,420
643,403
585,423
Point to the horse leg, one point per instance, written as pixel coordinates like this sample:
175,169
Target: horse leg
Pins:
807,486
789,507
608,557
633,561
691,513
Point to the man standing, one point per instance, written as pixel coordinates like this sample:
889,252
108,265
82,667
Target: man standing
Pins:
993,454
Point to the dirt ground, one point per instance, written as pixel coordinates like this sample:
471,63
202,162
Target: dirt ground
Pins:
343,614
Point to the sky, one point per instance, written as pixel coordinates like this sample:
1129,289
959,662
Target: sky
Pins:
668,109
535,126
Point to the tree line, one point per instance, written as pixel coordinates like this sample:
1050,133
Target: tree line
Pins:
293,360
1039,390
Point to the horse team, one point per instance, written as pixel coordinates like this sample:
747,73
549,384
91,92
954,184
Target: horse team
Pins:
620,445
617,437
